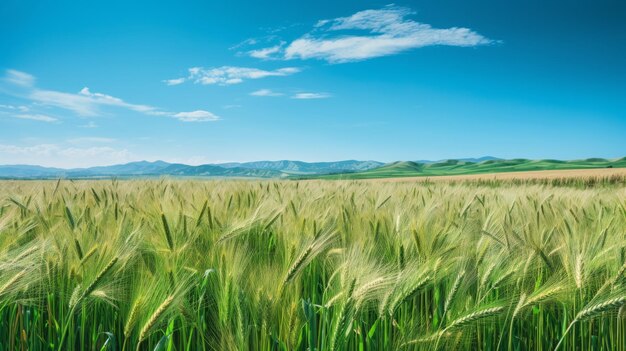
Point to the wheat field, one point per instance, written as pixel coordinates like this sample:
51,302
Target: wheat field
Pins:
572,176
311,265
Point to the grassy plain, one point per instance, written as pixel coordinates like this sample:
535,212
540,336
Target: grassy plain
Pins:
455,167
580,177
317,265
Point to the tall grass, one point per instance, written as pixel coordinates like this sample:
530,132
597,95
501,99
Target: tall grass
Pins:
311,265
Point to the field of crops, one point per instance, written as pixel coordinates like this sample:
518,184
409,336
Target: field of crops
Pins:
311,265
484,168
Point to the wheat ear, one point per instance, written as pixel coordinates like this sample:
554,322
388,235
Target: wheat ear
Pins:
155,317
453,291
11,281
593,311
91,287
474,316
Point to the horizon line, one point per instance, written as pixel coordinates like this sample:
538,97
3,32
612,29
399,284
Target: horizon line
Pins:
296,160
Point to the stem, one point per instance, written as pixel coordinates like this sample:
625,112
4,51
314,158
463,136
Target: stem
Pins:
65,327
564,334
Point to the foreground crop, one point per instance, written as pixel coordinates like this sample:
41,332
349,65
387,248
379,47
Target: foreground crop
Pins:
227,265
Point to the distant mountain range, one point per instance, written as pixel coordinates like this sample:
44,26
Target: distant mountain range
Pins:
259,169
349,169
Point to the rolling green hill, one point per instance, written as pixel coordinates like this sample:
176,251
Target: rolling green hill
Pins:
456,167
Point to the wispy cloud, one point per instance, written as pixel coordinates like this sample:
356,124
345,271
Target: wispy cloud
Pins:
266,92
228,75
196,116
266,53
250,41
308,96
85,103
19,78
262,40
88,103
77,103
20,108
37,117
368,34
176,81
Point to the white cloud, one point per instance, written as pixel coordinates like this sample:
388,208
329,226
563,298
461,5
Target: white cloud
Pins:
175,81
20,108
103,99
229,75
85,103
37,117
55,155
247,42
307,96
196,116
81,105
88,103
265,53
265,92
372,33
19,78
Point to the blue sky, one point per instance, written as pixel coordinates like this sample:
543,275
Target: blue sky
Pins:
96,83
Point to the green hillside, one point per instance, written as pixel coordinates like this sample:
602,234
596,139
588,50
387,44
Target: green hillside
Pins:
455,167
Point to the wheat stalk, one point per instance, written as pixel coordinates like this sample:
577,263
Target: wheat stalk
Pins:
474,316
317,246
407,293
155,317
453,291
168,233
426,339
346,308
600,307
593,310
91,287
579,272
88,255
132,316
12,281
296,265
79,250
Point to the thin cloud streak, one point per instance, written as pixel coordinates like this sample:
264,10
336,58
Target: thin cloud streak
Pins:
87,103
266,53
229,75
37,117
19,78
309,96
196,116
266,92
